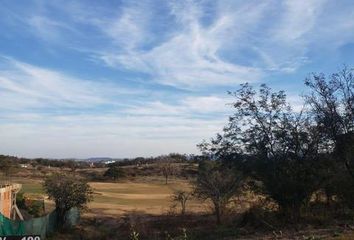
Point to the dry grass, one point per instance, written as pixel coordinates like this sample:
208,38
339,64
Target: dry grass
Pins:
152,198
148,195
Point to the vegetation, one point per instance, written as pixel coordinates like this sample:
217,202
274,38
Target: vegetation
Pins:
167,170
218,184
7,166
182,197
67,192
282,146
291,153
114,172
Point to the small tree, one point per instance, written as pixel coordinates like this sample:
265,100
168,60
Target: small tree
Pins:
67,192
182,197
72,165
218,184
114,172
167,170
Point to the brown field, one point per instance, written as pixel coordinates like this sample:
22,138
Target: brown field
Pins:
150,196
154,197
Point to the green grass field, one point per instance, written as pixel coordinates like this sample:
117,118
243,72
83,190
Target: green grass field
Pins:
32,188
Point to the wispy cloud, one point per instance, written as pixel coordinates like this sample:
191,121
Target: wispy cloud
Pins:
34,86
25,86
298,19
48,29
189,57
196,44
276,36
189,107
47,107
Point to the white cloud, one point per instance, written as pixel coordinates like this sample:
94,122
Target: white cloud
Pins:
108,135
192,52
192,56
36,119
187,107
25,85
189,57
299,18
128,30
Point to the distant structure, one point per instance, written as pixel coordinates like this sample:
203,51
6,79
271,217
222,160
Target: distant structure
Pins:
8,207
24,165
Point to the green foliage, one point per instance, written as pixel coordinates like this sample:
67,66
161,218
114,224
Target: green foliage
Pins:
134,235
332,108
67,192
20,200
344,152
184,236
7,165
279,146
114,172
35,208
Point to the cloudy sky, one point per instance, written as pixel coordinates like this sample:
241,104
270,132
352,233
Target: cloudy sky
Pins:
147,77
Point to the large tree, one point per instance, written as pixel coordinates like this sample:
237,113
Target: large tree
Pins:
67,192
276,145
332,104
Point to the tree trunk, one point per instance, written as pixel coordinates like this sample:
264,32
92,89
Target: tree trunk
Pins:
217,213
61,217
347,165
183,207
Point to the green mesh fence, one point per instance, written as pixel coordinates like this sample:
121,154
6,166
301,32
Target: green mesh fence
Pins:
37,226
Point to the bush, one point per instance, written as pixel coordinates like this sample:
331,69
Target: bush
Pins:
218,184
114,172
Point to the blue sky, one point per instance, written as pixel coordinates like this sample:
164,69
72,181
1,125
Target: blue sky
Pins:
147,77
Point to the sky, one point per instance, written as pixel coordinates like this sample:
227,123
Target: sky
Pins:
147,77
